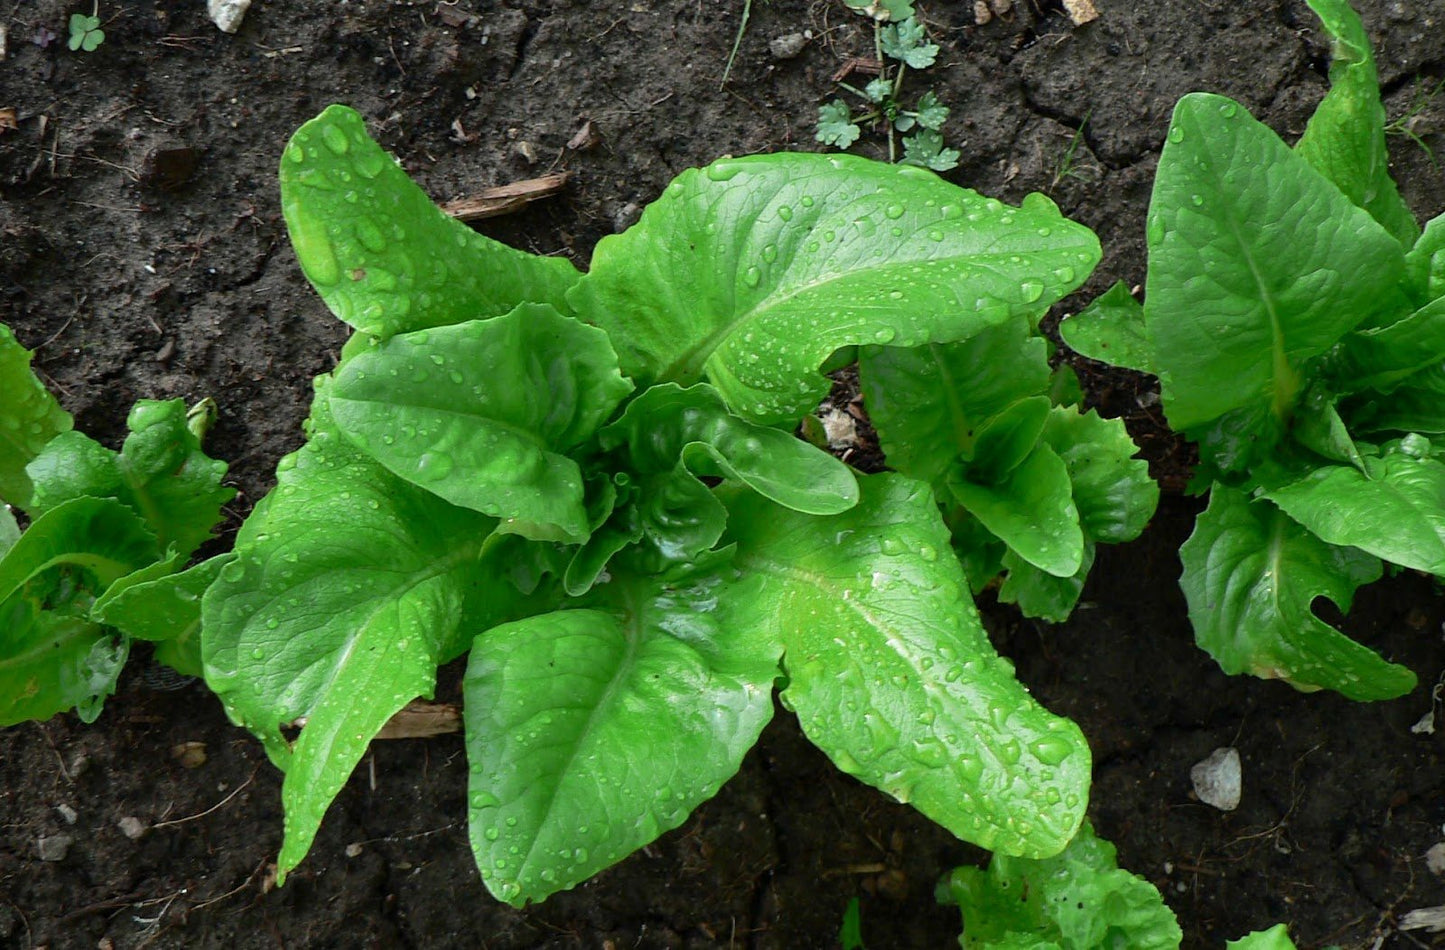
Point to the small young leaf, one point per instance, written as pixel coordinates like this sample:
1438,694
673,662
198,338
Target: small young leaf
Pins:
592,731
929,403
30,419
890,671
1345,138
878,90
1251,574
482,413
52,656
1032,511
1111,330
668,424
1394,508
1112,489
1425,262
835,124
931,113
925,148
165,609
1417,404
907,43
1382,357
753,271
384,258
1080,899
1275,938
161,473
883,9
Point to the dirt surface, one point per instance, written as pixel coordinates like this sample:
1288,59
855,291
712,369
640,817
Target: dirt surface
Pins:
142,254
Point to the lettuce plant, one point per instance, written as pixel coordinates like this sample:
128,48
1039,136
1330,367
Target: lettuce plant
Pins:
1079,899
587,484
1295,315
100,564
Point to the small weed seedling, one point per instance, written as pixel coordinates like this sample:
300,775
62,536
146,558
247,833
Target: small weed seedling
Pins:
85,31
900,43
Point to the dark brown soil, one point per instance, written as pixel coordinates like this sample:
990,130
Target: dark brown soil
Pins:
142,254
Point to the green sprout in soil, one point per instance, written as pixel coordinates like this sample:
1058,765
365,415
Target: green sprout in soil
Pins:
85,31
900,43
1405,125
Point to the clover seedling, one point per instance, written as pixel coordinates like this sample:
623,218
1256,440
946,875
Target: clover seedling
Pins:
903,42
85,31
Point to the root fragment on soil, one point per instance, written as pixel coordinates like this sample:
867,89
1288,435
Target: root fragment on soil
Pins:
504,199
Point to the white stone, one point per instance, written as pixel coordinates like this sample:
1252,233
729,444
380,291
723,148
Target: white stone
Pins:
1218,779
227,14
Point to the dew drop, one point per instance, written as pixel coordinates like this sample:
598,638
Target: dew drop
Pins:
752,276
884,335
770,253
1228,110
434,465
1176,134
806,201
785,212
894,212
335,139
1051,750
1197,200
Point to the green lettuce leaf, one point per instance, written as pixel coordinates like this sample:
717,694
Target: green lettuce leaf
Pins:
1275,938
1237,312
483,413
891,674
1041,594
592,731
752,271
384,258
349,587
1251,575
1394,508
53,656
668,425
930,403
1032,511
1111,489
1111,329
161,473
164,608
1425,262
1080,900
30,419
1345,138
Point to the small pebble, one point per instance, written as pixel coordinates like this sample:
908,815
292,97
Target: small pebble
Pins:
132,827
1218,780
354,849
1435,858
787,46
68,813
54,847
626,216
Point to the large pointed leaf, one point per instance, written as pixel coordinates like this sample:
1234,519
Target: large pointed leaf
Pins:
1251,574
30,418
592,731
1111,329
1394,509
1032,511
929,403
483,412
750,272
1345,138
892,676
381,254
161,473
349,587
1236,309
668,424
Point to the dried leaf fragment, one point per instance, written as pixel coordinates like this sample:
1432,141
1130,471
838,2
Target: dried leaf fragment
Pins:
504,199
1080,11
